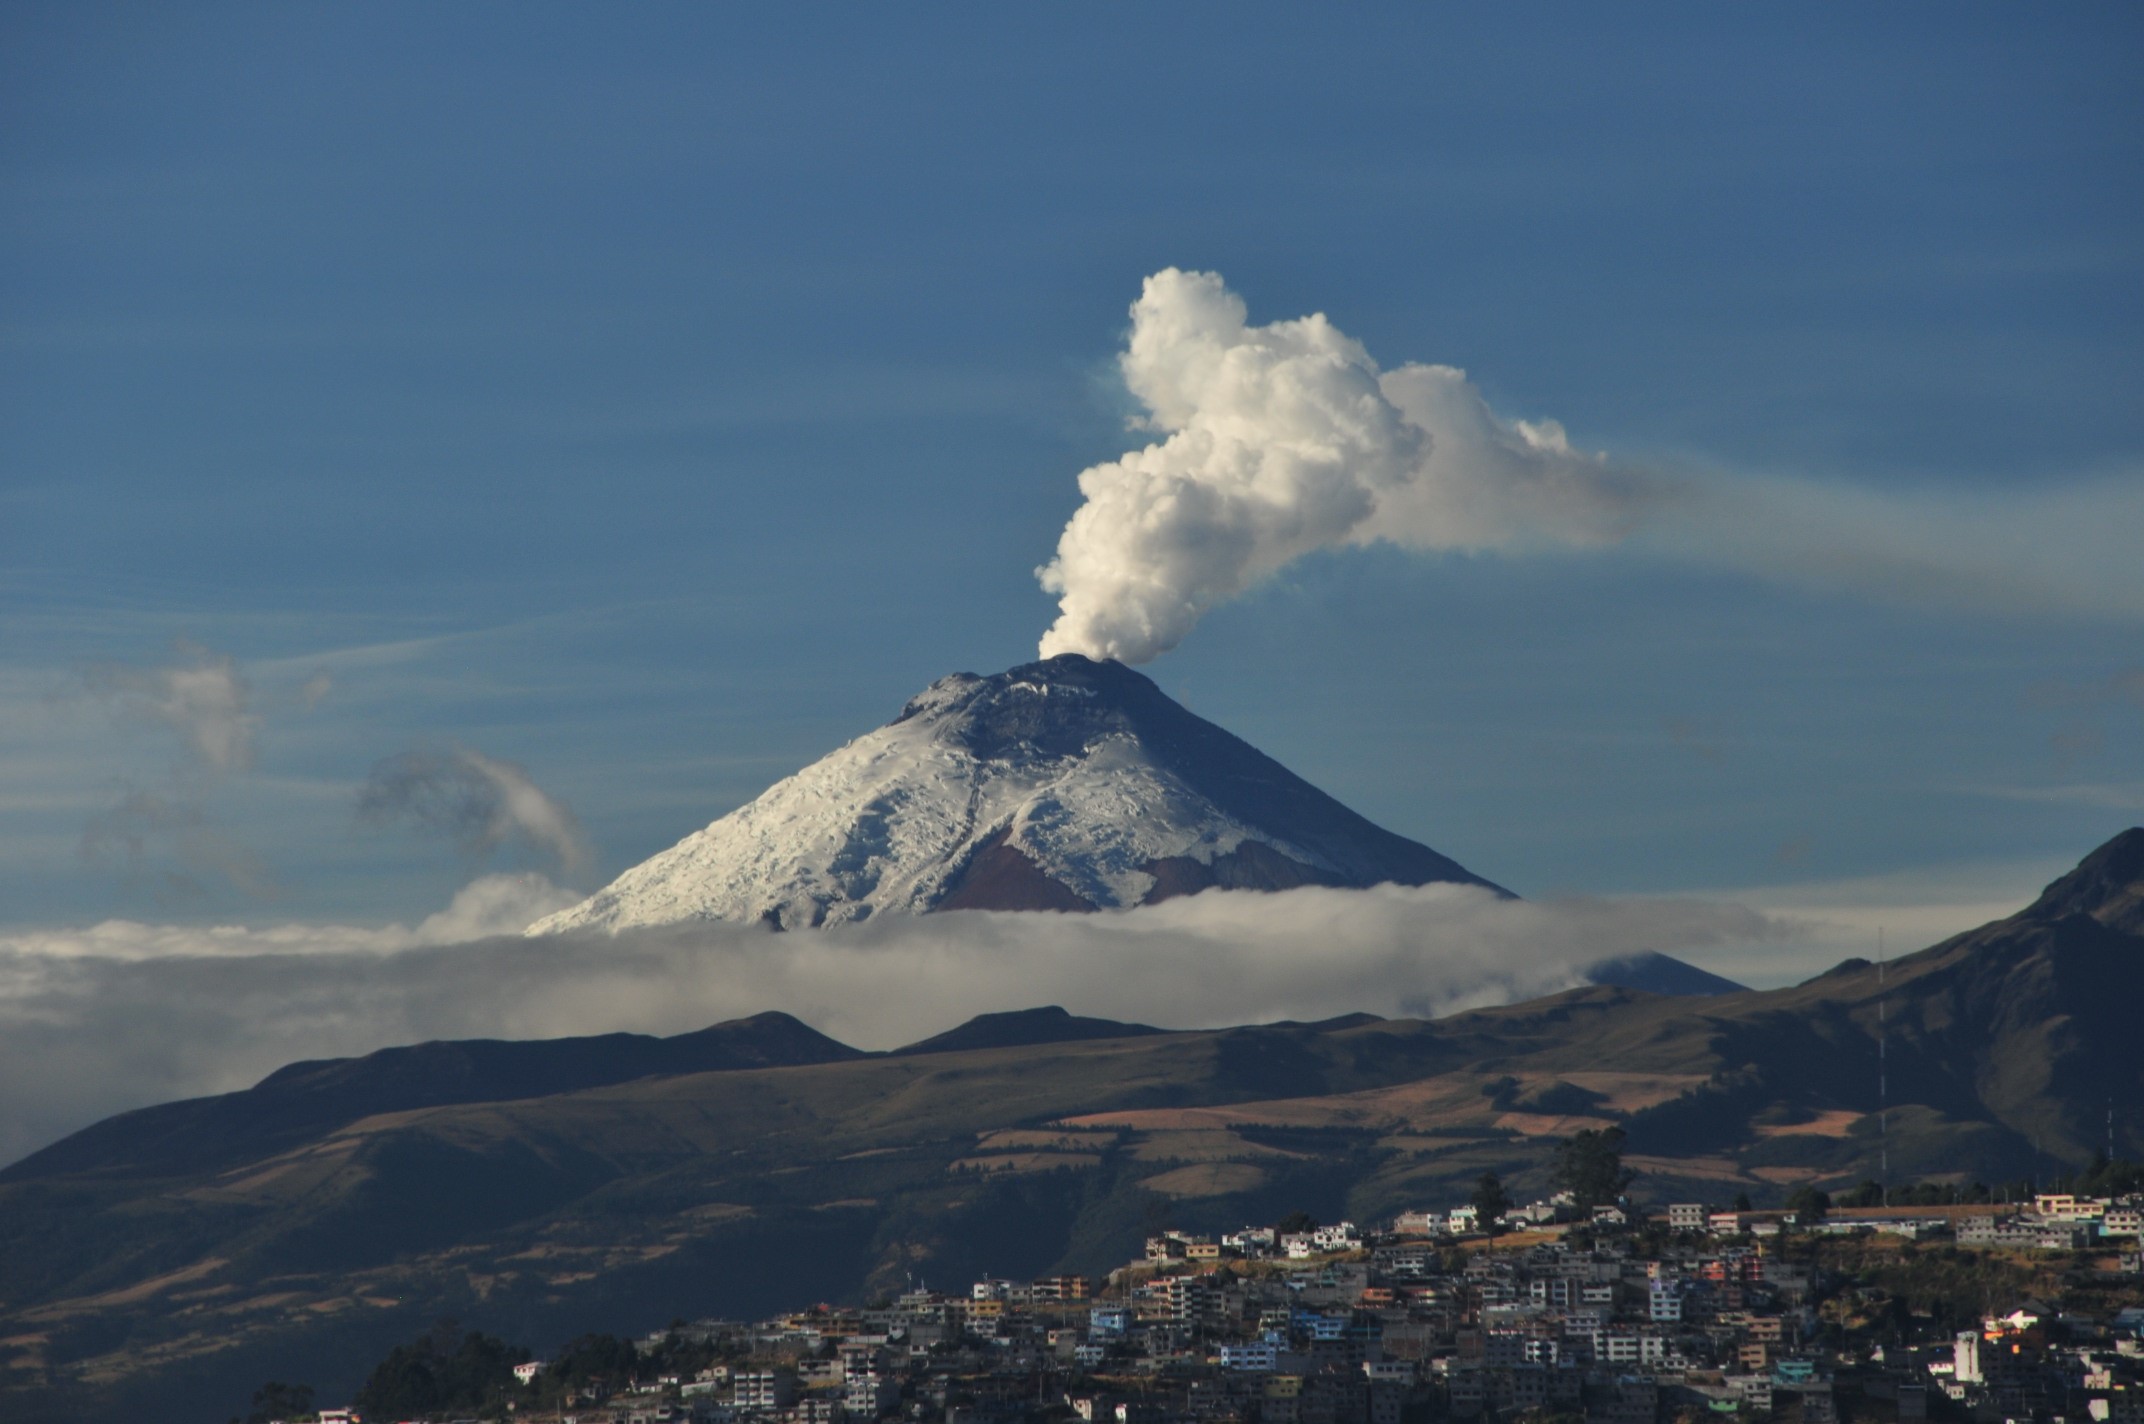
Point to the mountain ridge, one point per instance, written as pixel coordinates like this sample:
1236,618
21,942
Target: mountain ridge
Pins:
1015,1028
2107,886
321,1095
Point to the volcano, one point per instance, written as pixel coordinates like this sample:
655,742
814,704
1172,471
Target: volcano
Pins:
1066,784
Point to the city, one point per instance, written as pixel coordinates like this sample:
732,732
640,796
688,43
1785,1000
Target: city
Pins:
1963,1310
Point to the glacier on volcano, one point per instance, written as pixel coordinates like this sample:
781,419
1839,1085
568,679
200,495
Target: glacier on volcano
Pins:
1067,784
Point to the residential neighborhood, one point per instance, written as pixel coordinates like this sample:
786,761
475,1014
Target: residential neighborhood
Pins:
1611,1315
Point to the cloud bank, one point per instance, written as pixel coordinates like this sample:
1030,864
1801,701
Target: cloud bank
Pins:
121,1015
1283,439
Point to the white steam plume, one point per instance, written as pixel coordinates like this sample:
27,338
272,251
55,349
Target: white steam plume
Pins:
95,1021
1283,439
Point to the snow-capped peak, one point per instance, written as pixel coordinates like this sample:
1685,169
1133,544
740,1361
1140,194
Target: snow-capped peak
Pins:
1066,784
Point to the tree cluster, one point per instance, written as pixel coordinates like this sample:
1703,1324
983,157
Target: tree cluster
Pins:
444,1370
277,1400
1589,1165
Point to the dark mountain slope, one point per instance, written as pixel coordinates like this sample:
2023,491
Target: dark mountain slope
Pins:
1025,1027
2026,1023
1660,974
999,721
2107,885
305,1100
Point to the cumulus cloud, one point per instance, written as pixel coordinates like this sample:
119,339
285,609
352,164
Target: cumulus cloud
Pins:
94,1021
1283,439
480,803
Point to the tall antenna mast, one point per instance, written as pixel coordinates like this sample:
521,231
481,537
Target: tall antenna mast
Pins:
1883,1068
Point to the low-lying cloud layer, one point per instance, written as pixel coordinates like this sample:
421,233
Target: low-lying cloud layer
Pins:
1283,439
96,1021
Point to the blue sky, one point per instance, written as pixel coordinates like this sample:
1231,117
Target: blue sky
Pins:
655,397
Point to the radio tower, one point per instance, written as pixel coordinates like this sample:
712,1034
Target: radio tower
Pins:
1883,1075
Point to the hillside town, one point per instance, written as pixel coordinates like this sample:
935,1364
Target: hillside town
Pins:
1544,1312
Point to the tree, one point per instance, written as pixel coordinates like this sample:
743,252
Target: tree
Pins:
442,1370
1809,1204
1490,1204
1590,1167
1869,1192
2108,1179
593,1360
1295,1223
1743,1203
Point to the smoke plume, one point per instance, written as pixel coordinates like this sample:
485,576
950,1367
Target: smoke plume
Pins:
1279,440
1282,439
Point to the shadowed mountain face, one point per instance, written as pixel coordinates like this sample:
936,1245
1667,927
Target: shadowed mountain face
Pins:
305,1100
2107,885
1660,974
1026,1027
1066,784
1020,1144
